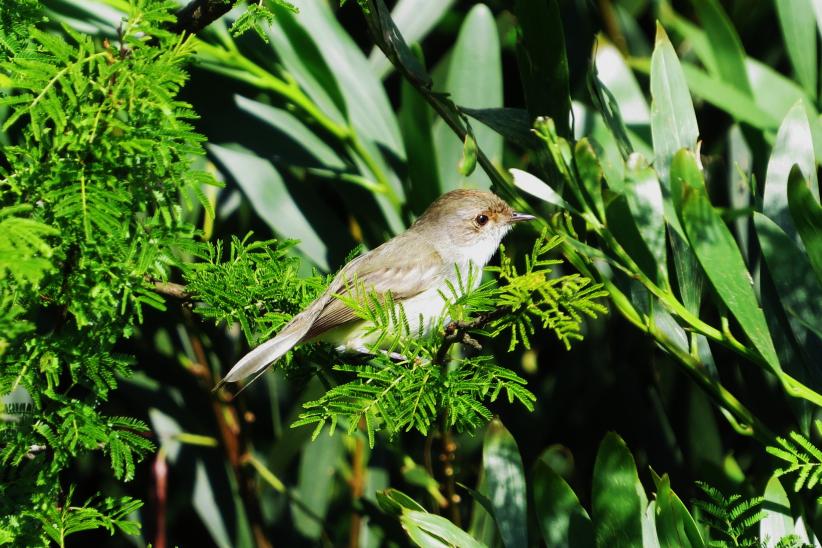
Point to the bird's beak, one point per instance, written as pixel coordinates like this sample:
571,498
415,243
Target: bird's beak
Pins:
519,217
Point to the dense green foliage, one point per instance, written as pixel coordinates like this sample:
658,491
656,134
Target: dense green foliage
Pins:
674,177
90,208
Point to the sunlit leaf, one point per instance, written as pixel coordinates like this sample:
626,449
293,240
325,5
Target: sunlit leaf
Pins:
718,254
618,499
799,33
674,525
477,46
562,519
505,484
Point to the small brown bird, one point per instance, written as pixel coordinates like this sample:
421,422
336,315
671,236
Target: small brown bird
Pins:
461,230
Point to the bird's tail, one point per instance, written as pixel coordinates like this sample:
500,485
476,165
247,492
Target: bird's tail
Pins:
255,362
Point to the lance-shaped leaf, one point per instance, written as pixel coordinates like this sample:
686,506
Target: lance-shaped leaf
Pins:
504,484
799,33
807,217
796,284
474,80
793,145
717,252
725,45
675,526
562,519
673,122
618,501
542,61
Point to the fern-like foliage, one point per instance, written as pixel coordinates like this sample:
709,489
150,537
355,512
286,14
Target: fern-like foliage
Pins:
802,457
24,248
110,513
256,284
257,17
733,519
557,303
93,187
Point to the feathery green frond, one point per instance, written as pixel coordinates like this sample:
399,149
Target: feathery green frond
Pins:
802,457
732,518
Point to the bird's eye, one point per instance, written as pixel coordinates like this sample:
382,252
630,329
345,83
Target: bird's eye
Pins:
481,220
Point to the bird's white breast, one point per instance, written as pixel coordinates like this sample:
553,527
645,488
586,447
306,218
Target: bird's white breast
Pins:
422,311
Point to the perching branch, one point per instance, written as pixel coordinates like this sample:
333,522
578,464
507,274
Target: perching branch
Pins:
171,289
198,14
458,332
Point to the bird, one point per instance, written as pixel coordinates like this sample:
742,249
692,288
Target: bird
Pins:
460,231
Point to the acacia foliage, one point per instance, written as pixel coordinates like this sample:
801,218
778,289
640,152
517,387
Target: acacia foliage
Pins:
90,188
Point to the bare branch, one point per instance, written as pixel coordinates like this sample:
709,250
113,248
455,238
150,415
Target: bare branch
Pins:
171,289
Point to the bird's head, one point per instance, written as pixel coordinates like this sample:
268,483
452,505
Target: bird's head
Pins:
468,224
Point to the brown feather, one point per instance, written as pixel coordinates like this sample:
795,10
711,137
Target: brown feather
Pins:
404,281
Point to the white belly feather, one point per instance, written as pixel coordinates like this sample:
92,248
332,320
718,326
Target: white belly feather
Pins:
422,311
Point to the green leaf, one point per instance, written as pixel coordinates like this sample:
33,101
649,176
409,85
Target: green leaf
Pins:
728,98
431,530
622,225
416,124
796,284
674,525
793,145
468,162
301,57
395,502
778,520
799,32
294,143
562,519
505,484
315,487
314,41
269,196
214,514
590,173
673,127
477,46
615,75
726,46
414,20
256,17
369,109
644,195
649,534
807,218
514,124
618,499
719,255
390,41
673,122
774,93
538,188
542,61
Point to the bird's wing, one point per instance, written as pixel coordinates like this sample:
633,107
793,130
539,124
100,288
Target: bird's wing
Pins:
405,269
414,266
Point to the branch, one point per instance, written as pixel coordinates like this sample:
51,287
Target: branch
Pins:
171,289
198,14
458,332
